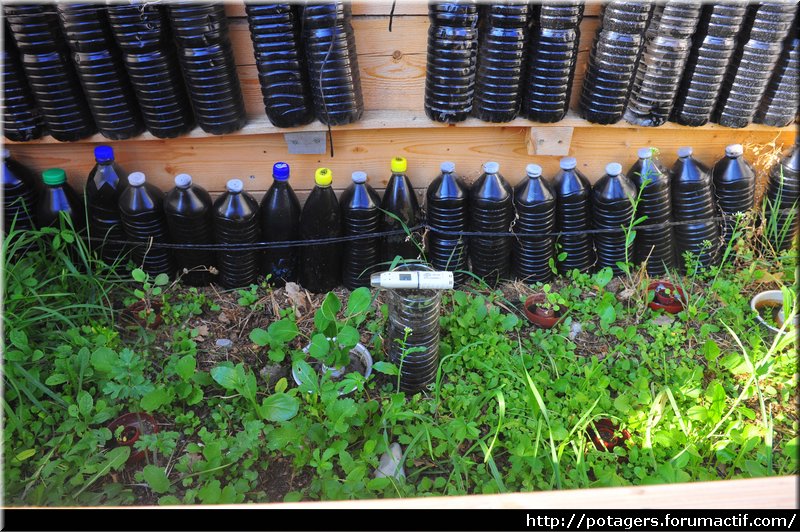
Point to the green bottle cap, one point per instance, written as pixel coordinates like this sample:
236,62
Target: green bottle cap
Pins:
54,176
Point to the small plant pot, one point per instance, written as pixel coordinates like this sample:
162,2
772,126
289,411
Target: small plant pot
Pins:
768,302
132,314
358,352
671,302
608,438
135,425
542,317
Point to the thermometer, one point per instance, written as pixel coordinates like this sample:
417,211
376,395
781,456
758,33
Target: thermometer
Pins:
413,280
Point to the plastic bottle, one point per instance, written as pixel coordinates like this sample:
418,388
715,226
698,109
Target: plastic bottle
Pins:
693,201
451,60
658,75
142,32
447,200
535,207
208,65
190,220
782,195
21,118
320,264
141,207
59,197
654,245
35,27
332,63
104,187
19,195
552,56
280,221
612,208
360,215
501,61
100,70
574,215
734,186
778,107
491,210
280,59
757,53
613,60
400,200
713,45
236,222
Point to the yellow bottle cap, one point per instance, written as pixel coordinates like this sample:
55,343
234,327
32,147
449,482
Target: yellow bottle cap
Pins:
399,165
323,177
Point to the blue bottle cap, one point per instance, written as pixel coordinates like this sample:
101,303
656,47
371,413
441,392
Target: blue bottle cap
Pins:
613,169
103,154
280,171
685,151
645,153
448,167
568,163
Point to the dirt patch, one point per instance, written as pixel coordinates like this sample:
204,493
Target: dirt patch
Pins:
280,478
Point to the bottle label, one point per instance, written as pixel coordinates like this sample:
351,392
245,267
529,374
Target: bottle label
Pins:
413,280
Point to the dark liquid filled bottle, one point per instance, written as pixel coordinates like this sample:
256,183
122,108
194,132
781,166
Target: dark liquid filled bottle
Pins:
104,187
332,63
451,60
21,118
713,45
100,70
280,221
190,221
613,61
400,200
694,209
361,215
501,61
535,207
320,264
734,186
208,65
19,195
552,56
778,107
59,200
573,215
281,63
612,208
653,244
782,195
141,207
236,222
491,210
142,32
446,205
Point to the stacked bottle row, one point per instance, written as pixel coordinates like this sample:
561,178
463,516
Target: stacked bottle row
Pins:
490,61
521,232
732,63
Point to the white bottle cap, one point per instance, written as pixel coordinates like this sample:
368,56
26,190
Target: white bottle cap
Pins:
359,177
183,180
613,169
734,150
533,170
448,167
645,153
136,179
685,151
568,163
491,167
235,185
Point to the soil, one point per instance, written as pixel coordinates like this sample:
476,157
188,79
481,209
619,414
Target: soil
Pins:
280,478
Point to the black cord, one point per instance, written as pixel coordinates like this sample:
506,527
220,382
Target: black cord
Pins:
391,15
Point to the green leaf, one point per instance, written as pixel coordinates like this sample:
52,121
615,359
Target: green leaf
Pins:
19,339
185,367
509,322
155,399
104,359
156,478
210,493
387,368
225,376
138,275
283,331
259,337
161,279
331,306
55,379
348,336
281,385
279,407
711,350
168,500
319,346
85,403
309,383
603,277
607,313
24,455
338,411
359,301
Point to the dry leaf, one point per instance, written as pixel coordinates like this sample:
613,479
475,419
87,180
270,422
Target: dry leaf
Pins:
295,293
223,318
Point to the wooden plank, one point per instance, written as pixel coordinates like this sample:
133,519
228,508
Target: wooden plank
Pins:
549,140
